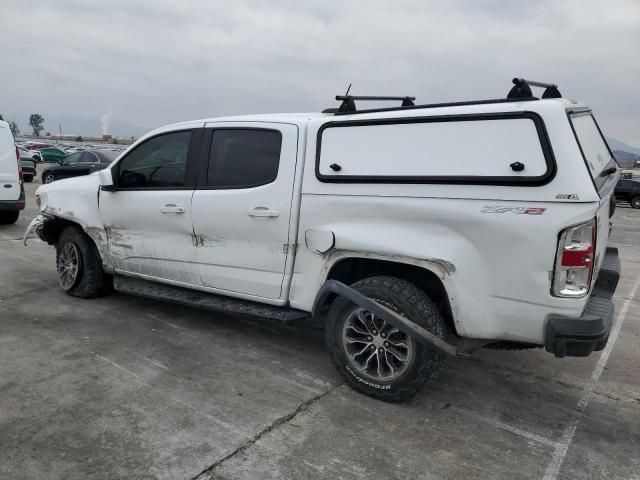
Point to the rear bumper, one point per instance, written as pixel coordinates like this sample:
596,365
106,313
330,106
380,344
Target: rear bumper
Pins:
578,337
13,205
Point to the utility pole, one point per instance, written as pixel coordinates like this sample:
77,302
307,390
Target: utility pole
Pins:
60,130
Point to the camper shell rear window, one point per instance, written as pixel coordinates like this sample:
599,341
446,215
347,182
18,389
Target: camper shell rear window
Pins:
593,146
491,149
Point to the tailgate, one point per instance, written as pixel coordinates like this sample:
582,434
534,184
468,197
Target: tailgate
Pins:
602,231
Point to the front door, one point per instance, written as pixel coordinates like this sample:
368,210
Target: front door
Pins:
242,207
148,217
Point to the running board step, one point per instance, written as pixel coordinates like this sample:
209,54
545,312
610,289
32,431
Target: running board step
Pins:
205,300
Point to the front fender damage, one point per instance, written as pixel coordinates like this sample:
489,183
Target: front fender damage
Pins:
48,227
35,228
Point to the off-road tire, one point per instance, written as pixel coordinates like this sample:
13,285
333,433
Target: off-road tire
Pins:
91,281
408,300
7,218
635,201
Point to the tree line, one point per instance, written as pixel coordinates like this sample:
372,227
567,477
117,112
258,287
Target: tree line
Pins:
36,122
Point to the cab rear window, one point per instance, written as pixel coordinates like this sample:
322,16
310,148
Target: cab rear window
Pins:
594,147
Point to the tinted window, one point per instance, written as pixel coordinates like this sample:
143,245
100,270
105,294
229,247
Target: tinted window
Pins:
90,157
243,158
73,158
157,163
107,156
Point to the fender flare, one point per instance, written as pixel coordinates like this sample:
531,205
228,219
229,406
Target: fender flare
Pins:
403,324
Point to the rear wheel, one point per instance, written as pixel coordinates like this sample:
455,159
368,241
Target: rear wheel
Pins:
48,178
7,218
376,358
635,201
79,265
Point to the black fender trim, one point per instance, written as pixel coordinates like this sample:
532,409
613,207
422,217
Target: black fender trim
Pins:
412,329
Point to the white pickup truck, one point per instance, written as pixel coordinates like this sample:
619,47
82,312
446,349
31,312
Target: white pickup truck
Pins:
411,232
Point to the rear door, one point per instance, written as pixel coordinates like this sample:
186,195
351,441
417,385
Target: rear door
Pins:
88,163
9,178
69,166
242,207
148,218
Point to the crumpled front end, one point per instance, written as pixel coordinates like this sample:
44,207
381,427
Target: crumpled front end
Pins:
35,228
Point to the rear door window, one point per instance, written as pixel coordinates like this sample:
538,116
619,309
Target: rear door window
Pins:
593,145
243,158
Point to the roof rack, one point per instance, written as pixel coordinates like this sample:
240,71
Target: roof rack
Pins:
521,92
348,104
522,89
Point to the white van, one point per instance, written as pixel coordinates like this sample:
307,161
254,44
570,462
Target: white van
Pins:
11,189
411,232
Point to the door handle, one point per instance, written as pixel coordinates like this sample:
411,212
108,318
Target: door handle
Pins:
170,208
262,212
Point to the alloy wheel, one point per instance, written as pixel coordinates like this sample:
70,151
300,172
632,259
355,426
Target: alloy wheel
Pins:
68,266
375,348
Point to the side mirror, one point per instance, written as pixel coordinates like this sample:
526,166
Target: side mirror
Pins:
106,180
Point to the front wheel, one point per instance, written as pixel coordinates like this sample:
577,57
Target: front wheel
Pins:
48,178
376,358
79,265
635,201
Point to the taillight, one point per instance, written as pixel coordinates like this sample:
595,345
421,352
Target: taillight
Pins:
574,260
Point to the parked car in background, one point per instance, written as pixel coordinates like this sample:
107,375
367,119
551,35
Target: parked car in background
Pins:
628,190
37,145
11,189
77,164
28,165
25,152
52,154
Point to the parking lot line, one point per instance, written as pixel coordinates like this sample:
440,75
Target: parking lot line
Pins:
509,428
553,469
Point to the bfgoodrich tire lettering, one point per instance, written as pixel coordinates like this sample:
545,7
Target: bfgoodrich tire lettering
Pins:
423,364
90,281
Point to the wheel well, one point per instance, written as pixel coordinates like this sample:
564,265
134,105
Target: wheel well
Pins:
52,229
350,270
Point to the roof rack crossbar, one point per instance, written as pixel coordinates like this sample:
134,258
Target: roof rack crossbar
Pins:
522,89
349,101
433,105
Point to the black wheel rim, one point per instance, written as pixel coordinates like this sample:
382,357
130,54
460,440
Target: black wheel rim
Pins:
374,348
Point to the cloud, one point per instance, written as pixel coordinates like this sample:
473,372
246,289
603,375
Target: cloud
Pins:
164,61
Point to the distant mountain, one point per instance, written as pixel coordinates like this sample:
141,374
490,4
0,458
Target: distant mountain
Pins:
626,159
621,146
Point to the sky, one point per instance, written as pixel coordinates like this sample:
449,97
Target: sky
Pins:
152,63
